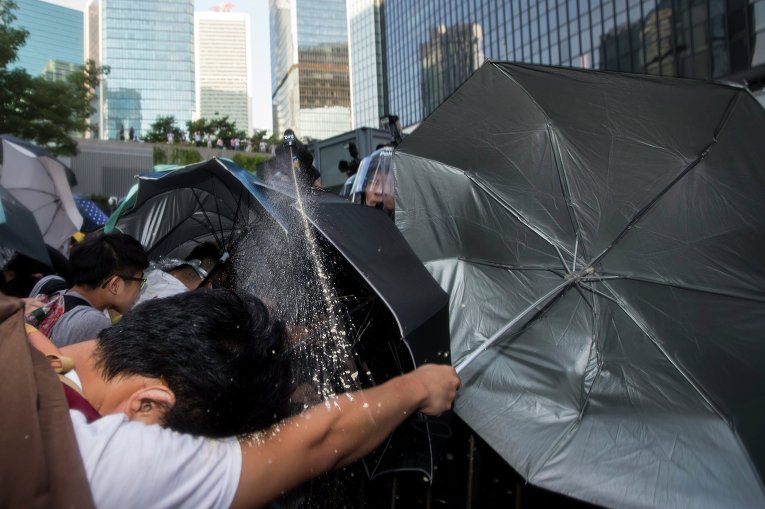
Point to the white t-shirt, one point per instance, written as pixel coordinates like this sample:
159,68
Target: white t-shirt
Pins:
131,464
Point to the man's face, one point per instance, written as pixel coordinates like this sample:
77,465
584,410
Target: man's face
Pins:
380,191
128,288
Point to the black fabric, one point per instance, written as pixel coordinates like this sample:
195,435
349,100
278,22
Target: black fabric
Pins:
71,302
601,236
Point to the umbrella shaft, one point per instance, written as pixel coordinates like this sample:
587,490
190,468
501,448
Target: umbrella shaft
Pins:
520,318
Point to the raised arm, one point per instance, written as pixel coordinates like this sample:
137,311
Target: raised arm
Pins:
330,436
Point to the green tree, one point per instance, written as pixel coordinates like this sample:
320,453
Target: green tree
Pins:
201,125
11,38
161,127
217,127
257,136
225,129
48,113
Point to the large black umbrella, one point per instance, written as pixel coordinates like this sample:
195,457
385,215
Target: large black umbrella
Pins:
601,236
19,232
379,314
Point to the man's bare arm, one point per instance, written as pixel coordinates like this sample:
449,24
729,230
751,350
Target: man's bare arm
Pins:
332,435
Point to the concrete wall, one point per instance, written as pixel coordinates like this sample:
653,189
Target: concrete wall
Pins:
110,168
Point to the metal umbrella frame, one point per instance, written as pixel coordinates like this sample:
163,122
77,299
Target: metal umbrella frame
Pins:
600,236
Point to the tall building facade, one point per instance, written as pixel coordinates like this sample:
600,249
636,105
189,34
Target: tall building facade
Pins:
309,67
366,55
148,47
434,45
56,35
223,67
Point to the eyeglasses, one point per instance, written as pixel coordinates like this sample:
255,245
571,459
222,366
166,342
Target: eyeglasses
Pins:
142,279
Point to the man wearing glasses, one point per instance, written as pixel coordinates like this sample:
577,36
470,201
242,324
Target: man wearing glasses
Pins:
107,272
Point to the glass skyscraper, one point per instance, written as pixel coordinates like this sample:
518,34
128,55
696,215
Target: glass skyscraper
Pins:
309,67
366,31
55,39
432,46
148,46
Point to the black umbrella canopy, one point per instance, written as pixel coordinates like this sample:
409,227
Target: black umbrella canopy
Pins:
212,201
393,313
19,232
601,234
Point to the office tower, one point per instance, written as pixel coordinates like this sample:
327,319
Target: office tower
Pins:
223,67
148,47
56,35
433,46
366,54
309,67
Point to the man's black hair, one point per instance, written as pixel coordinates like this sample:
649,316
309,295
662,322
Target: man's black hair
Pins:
101,256
220,353
206,251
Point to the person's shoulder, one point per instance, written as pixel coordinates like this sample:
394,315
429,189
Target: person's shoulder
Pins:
79,324
154,466
88,313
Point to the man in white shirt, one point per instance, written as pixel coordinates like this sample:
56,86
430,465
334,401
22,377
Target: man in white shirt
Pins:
211,364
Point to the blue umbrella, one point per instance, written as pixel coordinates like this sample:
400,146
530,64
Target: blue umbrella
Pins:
92,215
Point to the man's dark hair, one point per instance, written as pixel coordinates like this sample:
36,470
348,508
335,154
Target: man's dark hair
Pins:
220,353
100,256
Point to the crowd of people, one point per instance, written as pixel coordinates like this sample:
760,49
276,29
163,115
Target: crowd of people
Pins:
180,392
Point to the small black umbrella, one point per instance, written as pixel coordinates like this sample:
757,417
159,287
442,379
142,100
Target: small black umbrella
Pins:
19,232
393,312
601,236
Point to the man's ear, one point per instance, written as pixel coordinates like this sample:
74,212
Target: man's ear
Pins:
150,404
112,285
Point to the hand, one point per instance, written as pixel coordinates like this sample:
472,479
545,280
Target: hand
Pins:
441,383
30,304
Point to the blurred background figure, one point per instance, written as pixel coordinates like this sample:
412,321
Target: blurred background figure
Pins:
21,273
350,168
299,159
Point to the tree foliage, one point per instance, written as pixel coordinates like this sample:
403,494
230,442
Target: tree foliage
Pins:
48,113
257,136
161,128
216,127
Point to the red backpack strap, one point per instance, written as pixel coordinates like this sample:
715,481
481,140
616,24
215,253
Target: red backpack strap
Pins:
76,401
74,398
54,312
